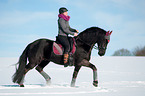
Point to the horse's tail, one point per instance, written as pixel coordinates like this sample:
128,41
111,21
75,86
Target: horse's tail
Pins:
18,76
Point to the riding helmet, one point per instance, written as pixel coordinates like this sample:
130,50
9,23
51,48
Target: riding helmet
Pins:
62,10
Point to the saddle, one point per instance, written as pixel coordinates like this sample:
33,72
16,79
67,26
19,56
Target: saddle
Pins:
58,48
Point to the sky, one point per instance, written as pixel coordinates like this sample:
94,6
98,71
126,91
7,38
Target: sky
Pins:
24,21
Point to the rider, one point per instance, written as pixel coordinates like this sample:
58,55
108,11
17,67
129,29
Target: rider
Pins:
64,31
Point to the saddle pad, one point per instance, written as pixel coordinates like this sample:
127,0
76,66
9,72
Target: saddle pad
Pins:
58,49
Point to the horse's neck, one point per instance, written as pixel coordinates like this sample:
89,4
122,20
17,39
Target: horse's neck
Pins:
87,49
89,40
87,43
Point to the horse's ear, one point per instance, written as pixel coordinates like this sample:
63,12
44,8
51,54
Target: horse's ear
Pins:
107,33
110,33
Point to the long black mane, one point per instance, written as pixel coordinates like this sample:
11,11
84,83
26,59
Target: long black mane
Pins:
91,34
93,29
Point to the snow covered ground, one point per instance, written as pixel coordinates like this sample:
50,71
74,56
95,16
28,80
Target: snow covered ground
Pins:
118,76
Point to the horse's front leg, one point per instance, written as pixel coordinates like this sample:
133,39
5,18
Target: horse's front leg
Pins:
86,63
75,73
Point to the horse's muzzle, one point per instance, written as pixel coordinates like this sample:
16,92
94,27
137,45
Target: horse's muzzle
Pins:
101,53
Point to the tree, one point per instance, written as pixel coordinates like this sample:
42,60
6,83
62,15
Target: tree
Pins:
122,52
139,51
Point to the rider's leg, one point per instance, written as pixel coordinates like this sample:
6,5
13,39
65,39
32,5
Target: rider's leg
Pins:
65,43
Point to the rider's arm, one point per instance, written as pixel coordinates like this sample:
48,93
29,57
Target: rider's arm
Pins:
65,27
71,29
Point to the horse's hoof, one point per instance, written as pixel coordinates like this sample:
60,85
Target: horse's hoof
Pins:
72,85
21,85
48,82
95,83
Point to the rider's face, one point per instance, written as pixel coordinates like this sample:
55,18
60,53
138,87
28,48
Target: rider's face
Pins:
65,13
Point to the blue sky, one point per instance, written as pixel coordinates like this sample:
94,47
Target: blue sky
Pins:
23,21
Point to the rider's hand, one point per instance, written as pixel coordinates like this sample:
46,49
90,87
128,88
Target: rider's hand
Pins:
77,31
75,34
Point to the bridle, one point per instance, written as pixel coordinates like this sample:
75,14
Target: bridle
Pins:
107,37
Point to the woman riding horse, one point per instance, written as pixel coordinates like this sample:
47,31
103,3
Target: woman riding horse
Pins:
64,31
40,52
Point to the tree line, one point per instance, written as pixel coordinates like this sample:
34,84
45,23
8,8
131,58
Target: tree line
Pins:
138,51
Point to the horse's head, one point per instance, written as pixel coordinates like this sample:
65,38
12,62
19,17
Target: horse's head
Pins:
95,35
102,43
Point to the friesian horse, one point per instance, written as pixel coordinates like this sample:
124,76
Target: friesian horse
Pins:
40,52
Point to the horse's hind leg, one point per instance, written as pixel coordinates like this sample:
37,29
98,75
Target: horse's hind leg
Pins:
28,67
40,67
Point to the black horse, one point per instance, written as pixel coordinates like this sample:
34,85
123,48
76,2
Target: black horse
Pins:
40,52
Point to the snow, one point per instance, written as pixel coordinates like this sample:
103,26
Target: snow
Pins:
118,76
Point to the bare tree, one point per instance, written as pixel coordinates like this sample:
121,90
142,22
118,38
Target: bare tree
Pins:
139,51
122,52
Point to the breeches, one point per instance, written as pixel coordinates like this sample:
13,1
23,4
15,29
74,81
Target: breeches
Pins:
65,43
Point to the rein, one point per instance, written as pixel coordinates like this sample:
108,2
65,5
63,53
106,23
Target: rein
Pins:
95,47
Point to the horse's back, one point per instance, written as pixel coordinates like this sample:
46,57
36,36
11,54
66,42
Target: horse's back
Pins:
41,42
40,48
